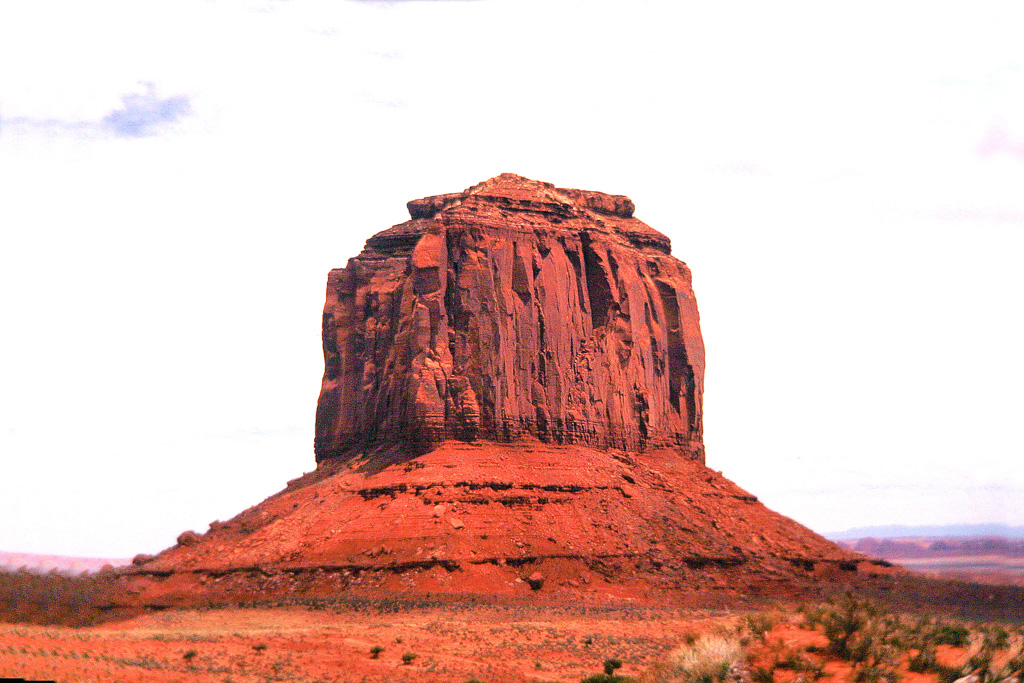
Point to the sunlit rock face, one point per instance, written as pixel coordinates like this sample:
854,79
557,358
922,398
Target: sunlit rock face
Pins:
512,310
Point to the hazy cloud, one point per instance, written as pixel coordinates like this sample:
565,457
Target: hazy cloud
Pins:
140,115
142,112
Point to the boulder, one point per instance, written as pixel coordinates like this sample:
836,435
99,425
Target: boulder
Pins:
187,538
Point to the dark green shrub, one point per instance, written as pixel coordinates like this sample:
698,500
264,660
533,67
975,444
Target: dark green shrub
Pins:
610,665
842,622
375,651
408,657
925,660
955,635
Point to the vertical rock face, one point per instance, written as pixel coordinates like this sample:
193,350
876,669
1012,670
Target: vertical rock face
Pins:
513,308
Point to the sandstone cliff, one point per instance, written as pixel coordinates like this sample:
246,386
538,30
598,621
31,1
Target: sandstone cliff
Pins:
512,308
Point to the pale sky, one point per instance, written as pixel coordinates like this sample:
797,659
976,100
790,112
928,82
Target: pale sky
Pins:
177,178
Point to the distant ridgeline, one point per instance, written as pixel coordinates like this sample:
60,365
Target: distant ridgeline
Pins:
929,530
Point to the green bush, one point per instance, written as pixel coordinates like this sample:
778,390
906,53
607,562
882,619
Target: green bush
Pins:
841,623
408,657
375,651
955,635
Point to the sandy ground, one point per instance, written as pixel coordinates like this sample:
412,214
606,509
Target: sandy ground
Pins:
292,644
492,644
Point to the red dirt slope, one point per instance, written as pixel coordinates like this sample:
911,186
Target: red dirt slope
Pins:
484,518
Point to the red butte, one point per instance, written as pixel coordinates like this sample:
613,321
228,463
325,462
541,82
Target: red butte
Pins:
511,408
513,309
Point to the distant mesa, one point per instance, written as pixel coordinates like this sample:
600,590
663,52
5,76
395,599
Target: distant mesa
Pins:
511,406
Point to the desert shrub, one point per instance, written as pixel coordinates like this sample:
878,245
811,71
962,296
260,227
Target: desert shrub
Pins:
408,657
997,638
872,641
707,660
799,664
950,634
760,624
844,621
610,665
880,663
375,651
190,655
812,615
925,660
762,674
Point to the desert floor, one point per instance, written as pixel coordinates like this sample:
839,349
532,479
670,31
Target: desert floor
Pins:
490,644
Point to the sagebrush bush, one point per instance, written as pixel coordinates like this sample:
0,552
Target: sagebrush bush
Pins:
708,659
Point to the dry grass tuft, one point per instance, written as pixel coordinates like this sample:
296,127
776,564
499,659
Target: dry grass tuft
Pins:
709,658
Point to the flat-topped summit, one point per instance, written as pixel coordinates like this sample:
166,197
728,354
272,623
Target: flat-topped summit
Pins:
512,309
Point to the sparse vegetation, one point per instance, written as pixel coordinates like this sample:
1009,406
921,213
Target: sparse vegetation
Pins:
878,646
708,659
950,634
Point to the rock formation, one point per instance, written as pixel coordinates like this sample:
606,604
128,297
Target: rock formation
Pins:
512,308
511,406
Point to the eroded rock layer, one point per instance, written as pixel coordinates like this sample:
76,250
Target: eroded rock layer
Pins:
512,308
527,519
